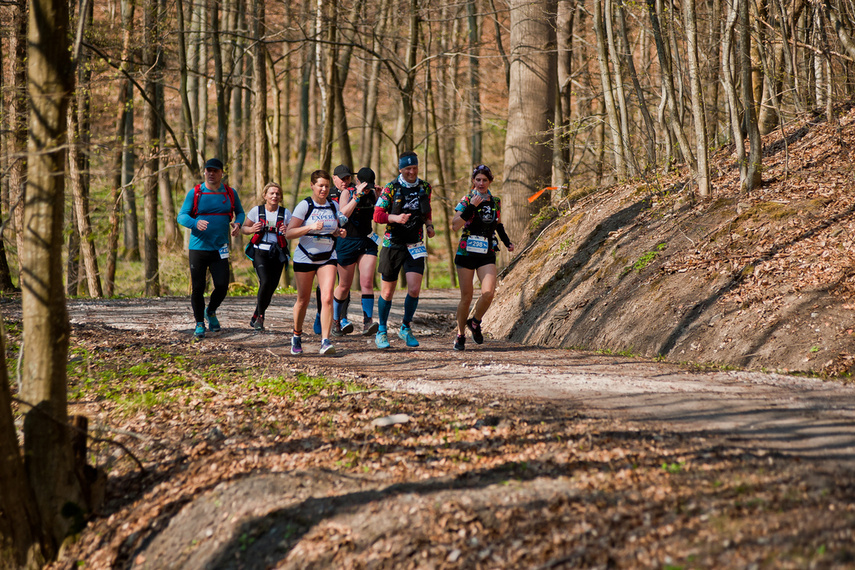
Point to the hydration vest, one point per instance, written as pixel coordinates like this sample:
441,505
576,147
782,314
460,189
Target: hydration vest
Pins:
359,223
197,193
280,221
414,201
484,221
323,256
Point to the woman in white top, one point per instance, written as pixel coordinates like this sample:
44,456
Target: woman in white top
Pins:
315,223
267,248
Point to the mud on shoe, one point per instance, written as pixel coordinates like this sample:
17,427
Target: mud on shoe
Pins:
213,321
406,334
475,329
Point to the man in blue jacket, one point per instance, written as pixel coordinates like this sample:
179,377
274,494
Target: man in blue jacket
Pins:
212,211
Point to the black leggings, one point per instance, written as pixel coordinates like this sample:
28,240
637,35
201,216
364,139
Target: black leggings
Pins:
269,272
201,261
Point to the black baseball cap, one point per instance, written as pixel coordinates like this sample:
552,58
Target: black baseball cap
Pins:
214,163
367,175
341,171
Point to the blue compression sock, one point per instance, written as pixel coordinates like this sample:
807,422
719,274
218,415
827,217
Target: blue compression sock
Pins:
336,309
368,306
384,307
410,305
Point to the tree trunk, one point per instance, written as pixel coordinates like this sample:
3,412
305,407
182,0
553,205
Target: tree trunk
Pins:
626,56
371,91
18,123
564,19
608,95
729,81
47,449
259,99
702,173
199,27
303,141
20,525
407,141
620,95
129,199
78,136
331,86
274,125
441,188
122,92
183,91
474,83
222,118
668,83
753,177
5,276
152,148
528,160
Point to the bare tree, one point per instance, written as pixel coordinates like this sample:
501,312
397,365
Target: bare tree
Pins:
753,176
47,440
474,82
528,160
259,99
614,123
702,173
151,143
18,121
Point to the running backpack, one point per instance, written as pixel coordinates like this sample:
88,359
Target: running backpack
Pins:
197,193
280,220
327,254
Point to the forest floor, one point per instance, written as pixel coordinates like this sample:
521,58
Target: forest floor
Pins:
502,456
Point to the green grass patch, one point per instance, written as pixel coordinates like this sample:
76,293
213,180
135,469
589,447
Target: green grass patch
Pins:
304,386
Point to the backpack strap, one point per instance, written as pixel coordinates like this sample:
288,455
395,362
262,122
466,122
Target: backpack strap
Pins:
197,193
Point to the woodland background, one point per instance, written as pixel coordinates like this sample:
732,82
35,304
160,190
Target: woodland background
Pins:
562,95
109,109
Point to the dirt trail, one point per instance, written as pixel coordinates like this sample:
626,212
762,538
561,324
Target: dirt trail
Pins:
801,416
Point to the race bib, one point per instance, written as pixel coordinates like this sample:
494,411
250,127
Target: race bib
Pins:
374,237
476,244
264,246
329,225
224,252
319,244
417,250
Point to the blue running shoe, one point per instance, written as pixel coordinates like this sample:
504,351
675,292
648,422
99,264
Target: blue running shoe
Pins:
296,345
213,322
316,328
406,335
327,347
200,330
381,340
346,326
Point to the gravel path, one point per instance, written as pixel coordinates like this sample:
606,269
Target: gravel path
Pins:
806,417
